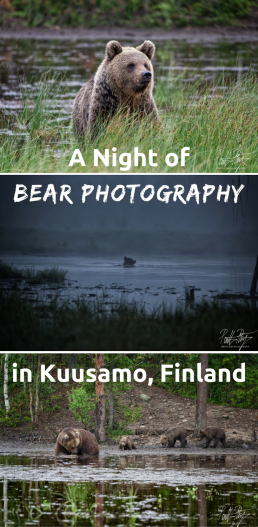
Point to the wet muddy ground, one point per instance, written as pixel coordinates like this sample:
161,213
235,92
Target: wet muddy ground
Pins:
152,488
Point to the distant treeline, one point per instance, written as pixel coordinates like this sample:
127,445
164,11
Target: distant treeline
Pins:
150,13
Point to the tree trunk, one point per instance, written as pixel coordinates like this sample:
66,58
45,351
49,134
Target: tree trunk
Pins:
254,280
201,506
100,401
31,400
72,363
37,391
5,500
111,411
99,504
201,403
6,398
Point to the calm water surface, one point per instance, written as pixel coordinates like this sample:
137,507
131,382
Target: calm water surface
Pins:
23,61
129,490
153,280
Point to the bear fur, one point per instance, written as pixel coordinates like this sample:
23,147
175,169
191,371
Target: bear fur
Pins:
175,434
126,443
213,433
123,79
76,441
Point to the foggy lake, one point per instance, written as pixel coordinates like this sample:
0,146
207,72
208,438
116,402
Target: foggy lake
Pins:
152,281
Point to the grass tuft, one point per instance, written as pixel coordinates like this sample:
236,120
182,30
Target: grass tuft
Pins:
60,326
52,275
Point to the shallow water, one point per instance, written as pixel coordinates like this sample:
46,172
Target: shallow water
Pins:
141,489
152,281
23,61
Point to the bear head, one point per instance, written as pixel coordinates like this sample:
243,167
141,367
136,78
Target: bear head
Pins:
130,68
164,440
123,441
201,435
71,440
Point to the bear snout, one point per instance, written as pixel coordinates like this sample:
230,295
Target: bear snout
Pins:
146,75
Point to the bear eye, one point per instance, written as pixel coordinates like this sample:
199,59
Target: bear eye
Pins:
146,66
130,66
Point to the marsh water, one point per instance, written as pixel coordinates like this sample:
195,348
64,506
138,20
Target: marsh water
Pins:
24,61
152,281
147,489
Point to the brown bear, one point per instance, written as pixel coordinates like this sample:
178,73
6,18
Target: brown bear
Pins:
126,443
172,435
213,433
123,79
76,441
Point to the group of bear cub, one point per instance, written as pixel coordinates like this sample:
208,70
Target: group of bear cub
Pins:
81,442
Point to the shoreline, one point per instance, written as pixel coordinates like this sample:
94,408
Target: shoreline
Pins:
194,35
47,449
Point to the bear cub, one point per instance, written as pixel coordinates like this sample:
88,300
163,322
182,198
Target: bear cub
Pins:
123,79
213,433
76,441
126,443
175,434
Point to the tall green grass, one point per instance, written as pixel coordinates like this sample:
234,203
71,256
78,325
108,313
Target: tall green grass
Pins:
218,123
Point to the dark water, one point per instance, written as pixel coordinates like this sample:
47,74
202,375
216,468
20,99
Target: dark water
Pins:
153,280
23,61
130,490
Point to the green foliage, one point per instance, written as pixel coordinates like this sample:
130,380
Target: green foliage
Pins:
127,415
82,406
103,12
230,394
192,492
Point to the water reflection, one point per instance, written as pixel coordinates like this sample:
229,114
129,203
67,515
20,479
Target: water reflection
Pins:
22,62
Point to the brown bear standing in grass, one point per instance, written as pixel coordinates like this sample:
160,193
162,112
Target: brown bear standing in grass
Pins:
76,441
123,79
175,434
126,443
213,433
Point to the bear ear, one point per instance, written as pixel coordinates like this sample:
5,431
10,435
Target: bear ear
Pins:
113,48
147,48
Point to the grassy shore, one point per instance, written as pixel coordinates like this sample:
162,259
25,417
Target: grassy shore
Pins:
52,275
218,124
58,326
